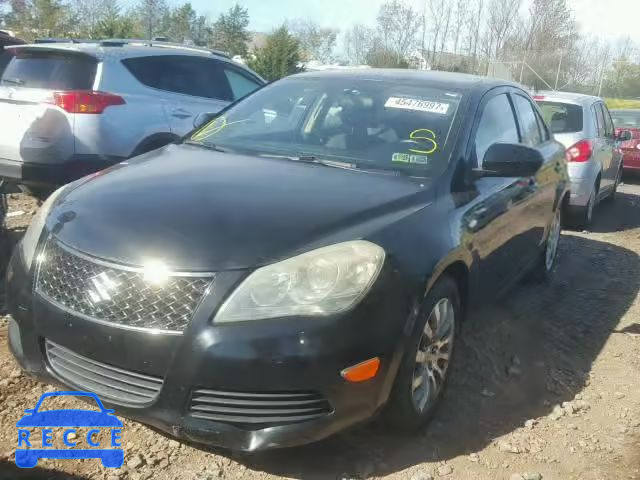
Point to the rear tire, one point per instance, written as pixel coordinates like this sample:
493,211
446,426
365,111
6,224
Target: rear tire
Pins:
422,375
543,270
583,216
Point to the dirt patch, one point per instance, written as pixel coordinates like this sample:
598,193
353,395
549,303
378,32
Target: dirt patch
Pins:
546,384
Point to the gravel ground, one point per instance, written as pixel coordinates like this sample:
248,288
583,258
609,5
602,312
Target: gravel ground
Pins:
546,385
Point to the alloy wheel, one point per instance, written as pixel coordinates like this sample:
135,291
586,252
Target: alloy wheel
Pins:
434,355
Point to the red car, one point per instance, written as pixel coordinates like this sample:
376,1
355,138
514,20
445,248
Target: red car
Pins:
629,120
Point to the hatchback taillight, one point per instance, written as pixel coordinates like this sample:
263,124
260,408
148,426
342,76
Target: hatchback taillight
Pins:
580,152
86,101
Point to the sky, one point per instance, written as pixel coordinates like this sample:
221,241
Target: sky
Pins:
607,18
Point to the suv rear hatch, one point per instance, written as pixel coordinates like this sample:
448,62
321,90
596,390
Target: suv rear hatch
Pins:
36,131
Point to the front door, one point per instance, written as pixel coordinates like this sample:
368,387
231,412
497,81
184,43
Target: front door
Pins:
500,219
603,150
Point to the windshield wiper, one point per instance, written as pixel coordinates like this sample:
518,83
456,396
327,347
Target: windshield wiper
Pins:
208,146
306,158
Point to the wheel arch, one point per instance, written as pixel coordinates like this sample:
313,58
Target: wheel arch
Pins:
458,269
154,141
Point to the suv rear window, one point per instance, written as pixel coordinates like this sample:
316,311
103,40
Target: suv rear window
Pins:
561,117
50,70
185,74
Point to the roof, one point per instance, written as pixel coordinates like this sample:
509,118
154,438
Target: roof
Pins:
570,97
453,81
125,48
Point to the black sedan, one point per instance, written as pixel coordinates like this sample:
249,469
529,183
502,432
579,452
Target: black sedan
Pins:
296,265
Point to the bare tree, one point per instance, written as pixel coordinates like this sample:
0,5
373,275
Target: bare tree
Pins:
459,22
397,24
358,42
316,42
502,15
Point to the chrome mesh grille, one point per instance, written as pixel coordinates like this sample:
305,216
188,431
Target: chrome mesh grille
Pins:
115,295
259,409
109,382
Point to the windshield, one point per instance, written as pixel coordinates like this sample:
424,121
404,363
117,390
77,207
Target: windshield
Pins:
626,119
368,124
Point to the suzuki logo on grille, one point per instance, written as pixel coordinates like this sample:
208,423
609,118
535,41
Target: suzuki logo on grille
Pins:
102,287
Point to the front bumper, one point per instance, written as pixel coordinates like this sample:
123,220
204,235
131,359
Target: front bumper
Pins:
282,355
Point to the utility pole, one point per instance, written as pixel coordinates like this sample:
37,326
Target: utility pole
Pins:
524,61
559,67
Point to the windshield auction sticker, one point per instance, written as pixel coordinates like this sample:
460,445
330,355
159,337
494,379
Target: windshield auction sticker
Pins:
69,433
417,104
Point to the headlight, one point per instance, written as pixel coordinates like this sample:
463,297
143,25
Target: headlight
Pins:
317,283
29,242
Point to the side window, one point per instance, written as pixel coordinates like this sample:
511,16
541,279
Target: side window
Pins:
599,119
497,124
188,75
241,85
608,123
528,122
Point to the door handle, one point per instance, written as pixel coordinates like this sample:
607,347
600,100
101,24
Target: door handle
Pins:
181,113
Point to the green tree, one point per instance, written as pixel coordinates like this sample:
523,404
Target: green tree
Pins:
39,18
230,32
279,57
114,24
152,17
185,26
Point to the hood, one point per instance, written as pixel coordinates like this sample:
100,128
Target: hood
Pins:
200,210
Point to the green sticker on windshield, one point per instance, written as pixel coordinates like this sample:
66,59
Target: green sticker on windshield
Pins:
409,158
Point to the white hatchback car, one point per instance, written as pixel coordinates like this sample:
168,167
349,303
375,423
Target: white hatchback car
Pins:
584,126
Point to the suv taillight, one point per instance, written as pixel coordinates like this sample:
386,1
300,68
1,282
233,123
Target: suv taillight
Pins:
580,152
86,101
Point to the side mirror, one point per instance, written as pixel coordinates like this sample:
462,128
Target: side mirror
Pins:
203,118
510,160
625,136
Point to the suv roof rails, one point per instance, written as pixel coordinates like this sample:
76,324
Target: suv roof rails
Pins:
120,42
63,40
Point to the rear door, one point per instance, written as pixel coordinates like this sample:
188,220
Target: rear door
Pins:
33,130
190,85
603,149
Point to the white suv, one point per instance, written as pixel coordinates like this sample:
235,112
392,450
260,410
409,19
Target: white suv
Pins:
69,109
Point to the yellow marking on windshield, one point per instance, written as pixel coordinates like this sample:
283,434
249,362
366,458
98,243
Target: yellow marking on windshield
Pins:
426,139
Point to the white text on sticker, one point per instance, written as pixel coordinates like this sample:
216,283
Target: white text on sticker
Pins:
417,105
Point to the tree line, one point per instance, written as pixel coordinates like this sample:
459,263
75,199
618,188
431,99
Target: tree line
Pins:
539,45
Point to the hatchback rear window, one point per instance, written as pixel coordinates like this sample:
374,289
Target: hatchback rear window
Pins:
50,70
562,117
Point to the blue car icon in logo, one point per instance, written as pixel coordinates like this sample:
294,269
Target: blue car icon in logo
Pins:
104,419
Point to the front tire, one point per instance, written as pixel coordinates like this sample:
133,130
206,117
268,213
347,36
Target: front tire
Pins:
422,376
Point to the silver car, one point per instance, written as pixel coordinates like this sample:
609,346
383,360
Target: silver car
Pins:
69,109
583,125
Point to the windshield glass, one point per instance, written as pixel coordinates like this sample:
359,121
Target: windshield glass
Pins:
368,124
626,119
